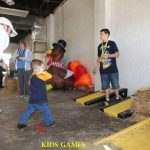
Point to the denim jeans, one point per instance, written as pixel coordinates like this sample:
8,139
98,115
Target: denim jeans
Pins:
112,78
44,109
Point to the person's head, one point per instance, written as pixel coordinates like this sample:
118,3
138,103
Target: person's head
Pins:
22,45
104,34
37,66
6,31
8,27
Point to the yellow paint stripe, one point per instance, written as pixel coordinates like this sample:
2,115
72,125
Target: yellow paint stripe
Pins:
118,108
125,131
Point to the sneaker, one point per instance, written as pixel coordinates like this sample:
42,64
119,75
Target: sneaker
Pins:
102,104
51,124
108,100
118,99
20,96
20,125
26,96
1,110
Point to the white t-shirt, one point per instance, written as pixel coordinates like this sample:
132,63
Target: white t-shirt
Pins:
4,40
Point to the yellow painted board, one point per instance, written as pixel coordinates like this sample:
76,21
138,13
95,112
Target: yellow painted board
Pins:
84,99
135,137
118,108
87,98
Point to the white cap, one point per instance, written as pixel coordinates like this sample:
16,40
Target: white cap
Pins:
5,21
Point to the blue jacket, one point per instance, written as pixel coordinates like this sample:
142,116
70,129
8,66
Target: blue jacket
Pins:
38,91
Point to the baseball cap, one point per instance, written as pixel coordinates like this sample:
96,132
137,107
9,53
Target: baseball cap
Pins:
5,21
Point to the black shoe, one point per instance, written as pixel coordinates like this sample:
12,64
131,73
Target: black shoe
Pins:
20,126
102,104
51,124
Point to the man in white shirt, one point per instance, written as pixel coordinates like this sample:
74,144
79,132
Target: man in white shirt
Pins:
6,31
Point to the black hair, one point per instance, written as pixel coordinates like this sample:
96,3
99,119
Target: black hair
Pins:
106,31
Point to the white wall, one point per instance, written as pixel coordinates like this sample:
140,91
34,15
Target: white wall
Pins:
74,22
130,26
50,30
79,22
99,23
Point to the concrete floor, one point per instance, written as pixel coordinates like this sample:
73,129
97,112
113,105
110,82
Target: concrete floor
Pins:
73,122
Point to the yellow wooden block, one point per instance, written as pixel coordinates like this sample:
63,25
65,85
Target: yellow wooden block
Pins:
87,98
44,76
135,137
118,108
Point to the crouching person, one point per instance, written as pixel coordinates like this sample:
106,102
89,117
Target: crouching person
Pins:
38,98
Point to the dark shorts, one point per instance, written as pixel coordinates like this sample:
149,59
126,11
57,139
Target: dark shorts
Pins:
112,78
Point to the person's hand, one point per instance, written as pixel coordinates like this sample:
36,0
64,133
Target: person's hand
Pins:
21,58
95,70
105,56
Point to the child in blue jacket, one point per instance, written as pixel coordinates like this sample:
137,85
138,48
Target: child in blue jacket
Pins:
38,98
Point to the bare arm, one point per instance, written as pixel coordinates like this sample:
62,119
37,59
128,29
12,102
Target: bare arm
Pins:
115,55
97,64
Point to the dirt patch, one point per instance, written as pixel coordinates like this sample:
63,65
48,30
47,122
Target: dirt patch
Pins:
12,84
141,105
